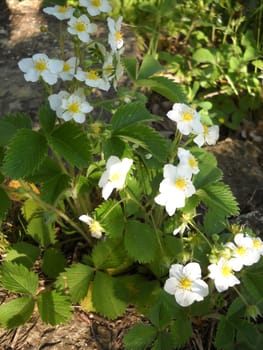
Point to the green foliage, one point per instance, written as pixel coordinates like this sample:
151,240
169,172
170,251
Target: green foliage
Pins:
4,204
23,253
139,337
53,308
16,312
11,124
19,164
18,279
53,262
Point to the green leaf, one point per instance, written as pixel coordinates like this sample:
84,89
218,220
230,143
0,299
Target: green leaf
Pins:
252,279
140,242
27,150
114,146
16,312
18,279
23,253
139,337
219,197
53,262
166,87
131,66
130,114
104,296
47,118
5,204
110,254
225,334
182,331
110,216
53,187
147,138
70,142
149,67
77,279
164,341
203,56
53,308
10,124
207,163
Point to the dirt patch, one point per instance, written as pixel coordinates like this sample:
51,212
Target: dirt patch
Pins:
240,157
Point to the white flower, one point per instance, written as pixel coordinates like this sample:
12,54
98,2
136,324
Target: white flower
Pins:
68,69
175,188
95,7
188,160
187,119
115,38
60,12
222,274
115,175
81,27
93,79
95,228
209,135
242,252
257,247
40,66
69,107
185,284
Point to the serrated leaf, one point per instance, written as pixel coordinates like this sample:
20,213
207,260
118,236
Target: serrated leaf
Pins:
53,262
10,124
203,56
207,163
114,145
5,204
181,331
77,279
253,283
27,150
53,187
110,216
149,67
140,242
53,308
130,114
23,253
139,337
219,197
70,142
147,138
110,254
165,341
131,66
165,87
41,229
16,312
18,279
104,296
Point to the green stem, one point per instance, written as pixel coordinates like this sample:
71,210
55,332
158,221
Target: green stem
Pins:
241,296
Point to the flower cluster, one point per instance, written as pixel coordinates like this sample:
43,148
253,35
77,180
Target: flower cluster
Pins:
185,282
101,70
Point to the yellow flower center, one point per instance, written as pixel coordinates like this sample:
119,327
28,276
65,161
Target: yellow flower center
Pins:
41,65
256,243
95,227
74,107
92,75
241,250
80,27
115,177
192,162
205,132
118,36
66,67
185,283
109,69
62,9
226,270
180,183
187,116
96,3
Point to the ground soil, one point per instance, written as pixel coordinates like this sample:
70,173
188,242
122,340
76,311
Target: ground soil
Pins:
240,156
